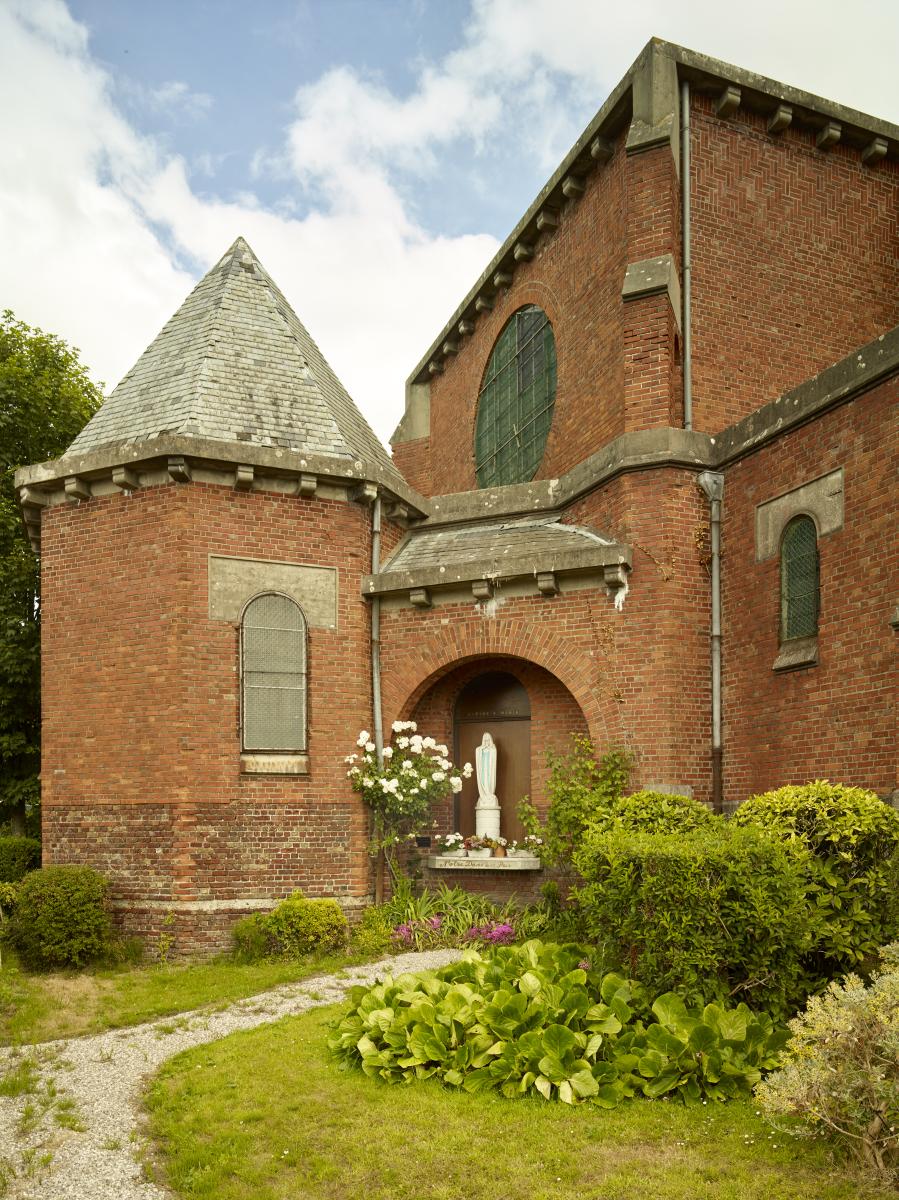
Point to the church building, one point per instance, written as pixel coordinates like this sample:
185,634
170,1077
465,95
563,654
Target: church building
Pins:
644,489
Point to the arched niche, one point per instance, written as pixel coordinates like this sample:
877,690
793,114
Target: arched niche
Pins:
497,703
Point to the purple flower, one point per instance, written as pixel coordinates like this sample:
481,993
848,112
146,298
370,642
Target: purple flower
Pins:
584,964
435,922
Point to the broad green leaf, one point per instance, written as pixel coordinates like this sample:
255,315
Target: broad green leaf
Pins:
558,1040
670,1010
584,1083
529,983
566,1092
543,1086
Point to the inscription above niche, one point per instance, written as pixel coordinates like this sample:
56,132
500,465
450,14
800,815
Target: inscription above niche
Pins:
234,581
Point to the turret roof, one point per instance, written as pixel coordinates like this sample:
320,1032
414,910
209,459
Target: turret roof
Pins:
235,364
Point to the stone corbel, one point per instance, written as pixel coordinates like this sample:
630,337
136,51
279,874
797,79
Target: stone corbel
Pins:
365,493
780,119
547,583
829,135
874,151
547,219
465,327
243,478
614,576
434,367
523,251
401,514
30,497
450,347
502,279
572,187
125,479
484,303
77,489
482,589
601,150
179,470
728,102
420,597
307,485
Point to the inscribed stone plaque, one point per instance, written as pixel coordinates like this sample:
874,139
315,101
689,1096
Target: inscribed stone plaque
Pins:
234,581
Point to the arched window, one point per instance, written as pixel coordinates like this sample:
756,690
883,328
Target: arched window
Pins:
515,405
273,675
799,599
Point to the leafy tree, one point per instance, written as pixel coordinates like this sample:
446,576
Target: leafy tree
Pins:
46,398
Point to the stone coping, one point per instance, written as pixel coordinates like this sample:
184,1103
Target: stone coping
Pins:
517,862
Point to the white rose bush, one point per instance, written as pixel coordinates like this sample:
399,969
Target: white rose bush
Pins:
415,773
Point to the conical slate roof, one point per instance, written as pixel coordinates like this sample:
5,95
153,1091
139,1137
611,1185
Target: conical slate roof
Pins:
235,364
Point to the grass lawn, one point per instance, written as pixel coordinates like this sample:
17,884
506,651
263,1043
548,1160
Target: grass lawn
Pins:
268,1114
38,1008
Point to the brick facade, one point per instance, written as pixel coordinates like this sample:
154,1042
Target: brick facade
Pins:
795,266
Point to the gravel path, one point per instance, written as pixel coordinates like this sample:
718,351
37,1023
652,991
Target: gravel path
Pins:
97,1158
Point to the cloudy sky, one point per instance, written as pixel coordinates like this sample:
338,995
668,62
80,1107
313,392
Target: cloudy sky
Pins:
373,152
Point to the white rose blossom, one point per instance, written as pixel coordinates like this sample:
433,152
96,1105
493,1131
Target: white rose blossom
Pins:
369,747
428,743
402,742
455,783
388,751
362,738
438,776
467,770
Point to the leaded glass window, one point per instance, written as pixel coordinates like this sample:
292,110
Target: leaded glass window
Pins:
799,580
273,674
515,406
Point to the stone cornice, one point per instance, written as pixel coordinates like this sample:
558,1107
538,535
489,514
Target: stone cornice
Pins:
613,561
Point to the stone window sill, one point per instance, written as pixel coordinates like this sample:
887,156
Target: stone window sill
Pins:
518,862
274,764
798,652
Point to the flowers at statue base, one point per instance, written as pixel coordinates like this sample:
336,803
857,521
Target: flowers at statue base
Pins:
449,841
413,773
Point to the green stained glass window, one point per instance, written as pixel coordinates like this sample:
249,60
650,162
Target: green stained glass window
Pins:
799,584
515,406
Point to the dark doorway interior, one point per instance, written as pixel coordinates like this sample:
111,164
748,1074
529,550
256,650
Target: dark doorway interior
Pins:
495,703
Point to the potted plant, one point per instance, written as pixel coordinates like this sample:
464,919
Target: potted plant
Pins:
478,847
512,848
451,845
531,845
500,847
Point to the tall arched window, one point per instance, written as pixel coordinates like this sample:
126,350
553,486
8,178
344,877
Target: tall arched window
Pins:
273,674
799,587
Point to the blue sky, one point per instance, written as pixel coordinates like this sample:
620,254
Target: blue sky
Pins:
373,152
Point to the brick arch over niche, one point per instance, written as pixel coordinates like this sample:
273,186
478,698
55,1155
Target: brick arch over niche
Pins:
554,714
439,651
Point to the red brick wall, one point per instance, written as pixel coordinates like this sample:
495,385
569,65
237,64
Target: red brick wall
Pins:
795,260
575,277
140,696
413,461
836,720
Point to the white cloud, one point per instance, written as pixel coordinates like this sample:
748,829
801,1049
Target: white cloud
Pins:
176,98
104,235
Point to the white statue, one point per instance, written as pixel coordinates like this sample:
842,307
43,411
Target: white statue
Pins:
486,813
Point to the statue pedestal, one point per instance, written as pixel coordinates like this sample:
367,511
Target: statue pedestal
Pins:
486,820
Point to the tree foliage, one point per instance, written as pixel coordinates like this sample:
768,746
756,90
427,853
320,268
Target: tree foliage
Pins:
46,398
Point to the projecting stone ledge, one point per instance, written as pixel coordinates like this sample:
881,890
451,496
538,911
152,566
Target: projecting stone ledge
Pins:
518,862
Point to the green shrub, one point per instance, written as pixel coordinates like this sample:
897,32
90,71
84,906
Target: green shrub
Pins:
580,788
840,1080
716,912
851,871
655,812
60,918
539,1019
298,926
18,856
372,935
251,939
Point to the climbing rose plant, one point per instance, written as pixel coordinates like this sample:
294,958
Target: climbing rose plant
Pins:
415,773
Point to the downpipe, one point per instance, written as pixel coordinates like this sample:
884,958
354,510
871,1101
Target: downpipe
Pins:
686,252
712,483
377,716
